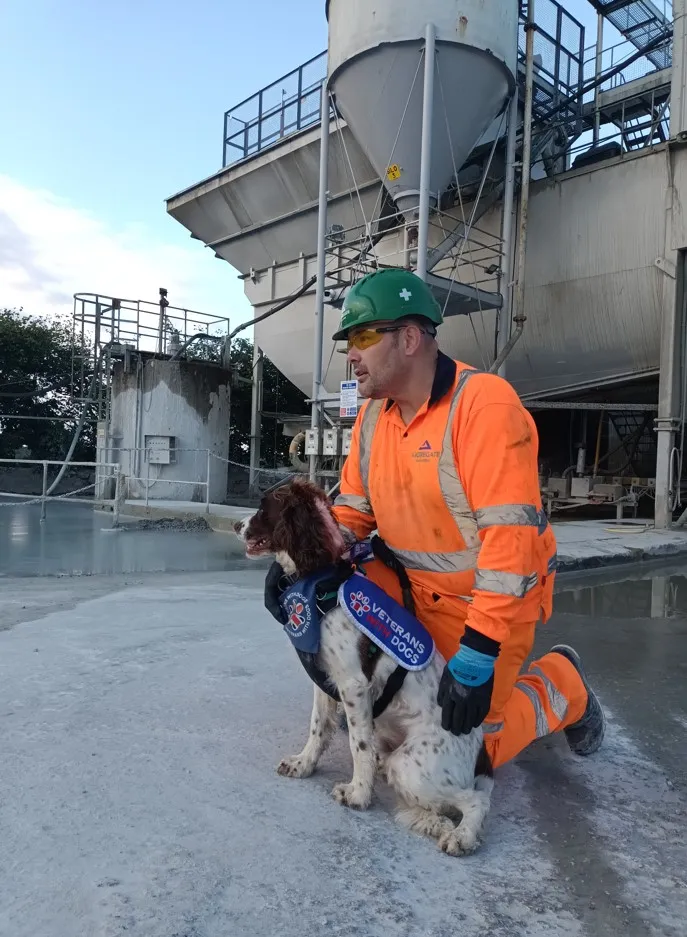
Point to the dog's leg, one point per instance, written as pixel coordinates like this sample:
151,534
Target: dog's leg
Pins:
425,822
474,806
356,697
322,725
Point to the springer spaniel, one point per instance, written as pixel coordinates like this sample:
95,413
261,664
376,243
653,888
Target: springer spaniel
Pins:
443,782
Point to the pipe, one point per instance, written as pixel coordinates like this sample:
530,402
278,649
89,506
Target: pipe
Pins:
426,151
255,412
82,419
519,317
597,454
597,73
504,316
321,271
161,321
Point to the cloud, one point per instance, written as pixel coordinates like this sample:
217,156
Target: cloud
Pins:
51,249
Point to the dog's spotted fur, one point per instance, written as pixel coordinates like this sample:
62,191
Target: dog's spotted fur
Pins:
443,782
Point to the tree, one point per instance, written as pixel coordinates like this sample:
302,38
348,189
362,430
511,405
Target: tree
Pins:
36,381
279,396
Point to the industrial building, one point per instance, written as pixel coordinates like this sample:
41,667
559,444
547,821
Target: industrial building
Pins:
568,278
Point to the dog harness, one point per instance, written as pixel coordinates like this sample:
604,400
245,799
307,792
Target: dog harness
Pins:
392,629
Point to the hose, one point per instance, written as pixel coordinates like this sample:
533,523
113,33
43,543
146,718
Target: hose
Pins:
82,419
294,457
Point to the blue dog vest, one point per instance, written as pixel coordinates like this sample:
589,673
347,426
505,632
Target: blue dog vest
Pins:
386,623
303,610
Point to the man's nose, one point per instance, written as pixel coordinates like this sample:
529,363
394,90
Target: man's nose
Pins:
353,355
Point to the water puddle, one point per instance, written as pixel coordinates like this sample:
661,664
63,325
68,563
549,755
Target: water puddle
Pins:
75,540
644,594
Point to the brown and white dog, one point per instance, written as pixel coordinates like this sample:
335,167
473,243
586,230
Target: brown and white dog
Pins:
443,782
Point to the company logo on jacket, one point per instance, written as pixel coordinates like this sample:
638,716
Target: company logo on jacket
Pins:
425,452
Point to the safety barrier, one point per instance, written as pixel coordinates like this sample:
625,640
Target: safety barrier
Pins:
44,497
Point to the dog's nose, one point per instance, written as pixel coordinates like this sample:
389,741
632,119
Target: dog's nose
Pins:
237,526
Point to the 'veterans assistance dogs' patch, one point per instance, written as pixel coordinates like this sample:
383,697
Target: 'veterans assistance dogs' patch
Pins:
393,629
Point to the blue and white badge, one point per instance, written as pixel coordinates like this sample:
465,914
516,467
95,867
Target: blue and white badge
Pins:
390,626
302,616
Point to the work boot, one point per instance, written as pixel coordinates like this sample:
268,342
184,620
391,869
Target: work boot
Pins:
584,737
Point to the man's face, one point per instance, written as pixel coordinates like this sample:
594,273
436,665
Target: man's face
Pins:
379,367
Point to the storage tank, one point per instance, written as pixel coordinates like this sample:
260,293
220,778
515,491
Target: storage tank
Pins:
376,75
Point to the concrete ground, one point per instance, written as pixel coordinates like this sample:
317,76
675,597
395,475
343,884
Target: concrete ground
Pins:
142,718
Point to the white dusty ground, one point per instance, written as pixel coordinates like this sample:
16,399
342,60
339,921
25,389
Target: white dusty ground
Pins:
142,721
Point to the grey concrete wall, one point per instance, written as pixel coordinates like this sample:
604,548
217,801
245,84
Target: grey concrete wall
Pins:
189,400
594,293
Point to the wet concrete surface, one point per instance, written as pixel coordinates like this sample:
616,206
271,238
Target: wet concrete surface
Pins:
75,540
143,715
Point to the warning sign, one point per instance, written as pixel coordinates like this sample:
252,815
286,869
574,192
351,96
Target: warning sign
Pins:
348,402
393,172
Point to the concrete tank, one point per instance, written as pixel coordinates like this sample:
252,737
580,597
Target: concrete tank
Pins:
376,75
165,415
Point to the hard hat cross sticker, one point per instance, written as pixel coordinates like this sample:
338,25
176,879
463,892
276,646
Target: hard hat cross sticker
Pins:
405,294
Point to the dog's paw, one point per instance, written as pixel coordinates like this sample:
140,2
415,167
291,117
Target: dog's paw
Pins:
351,795
295,767
458,842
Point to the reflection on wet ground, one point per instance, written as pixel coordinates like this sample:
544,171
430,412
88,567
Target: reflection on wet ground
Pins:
651,595
75,540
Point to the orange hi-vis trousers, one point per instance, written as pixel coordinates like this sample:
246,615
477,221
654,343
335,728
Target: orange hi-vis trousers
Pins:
546,698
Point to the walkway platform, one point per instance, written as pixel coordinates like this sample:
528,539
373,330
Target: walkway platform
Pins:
587,544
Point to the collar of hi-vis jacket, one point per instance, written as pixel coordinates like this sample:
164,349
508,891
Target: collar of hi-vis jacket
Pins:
468,522
444,379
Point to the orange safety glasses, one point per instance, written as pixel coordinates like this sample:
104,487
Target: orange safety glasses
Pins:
369,337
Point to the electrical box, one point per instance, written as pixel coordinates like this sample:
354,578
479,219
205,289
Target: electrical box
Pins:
582,487
608,492
311,447
346,437
330,442
559,486
160,449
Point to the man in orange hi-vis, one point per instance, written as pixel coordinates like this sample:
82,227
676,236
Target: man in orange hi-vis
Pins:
443,464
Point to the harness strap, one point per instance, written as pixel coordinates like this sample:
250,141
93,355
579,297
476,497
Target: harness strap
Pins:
385,555
393,685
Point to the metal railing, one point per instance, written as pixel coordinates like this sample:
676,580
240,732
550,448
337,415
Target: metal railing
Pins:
288,105
44,497
612,56
559,59
150,482
292,103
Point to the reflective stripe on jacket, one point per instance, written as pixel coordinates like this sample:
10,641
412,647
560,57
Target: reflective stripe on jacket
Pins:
455,494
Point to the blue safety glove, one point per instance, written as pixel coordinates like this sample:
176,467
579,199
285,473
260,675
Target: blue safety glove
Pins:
467,684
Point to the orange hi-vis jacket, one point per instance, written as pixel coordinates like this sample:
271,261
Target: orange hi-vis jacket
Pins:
455,494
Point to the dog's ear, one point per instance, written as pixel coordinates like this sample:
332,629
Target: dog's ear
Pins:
301,530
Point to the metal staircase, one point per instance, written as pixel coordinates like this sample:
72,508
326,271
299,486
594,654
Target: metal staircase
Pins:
642,23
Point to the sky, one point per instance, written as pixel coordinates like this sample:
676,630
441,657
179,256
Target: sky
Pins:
107,109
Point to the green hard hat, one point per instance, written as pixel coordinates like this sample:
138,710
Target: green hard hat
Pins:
387,295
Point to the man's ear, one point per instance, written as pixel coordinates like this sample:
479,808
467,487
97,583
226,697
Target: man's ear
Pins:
412,338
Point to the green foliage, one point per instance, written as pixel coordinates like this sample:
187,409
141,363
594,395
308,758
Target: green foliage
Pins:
279,396
35,380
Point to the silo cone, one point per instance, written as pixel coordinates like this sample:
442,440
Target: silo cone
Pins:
376,73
